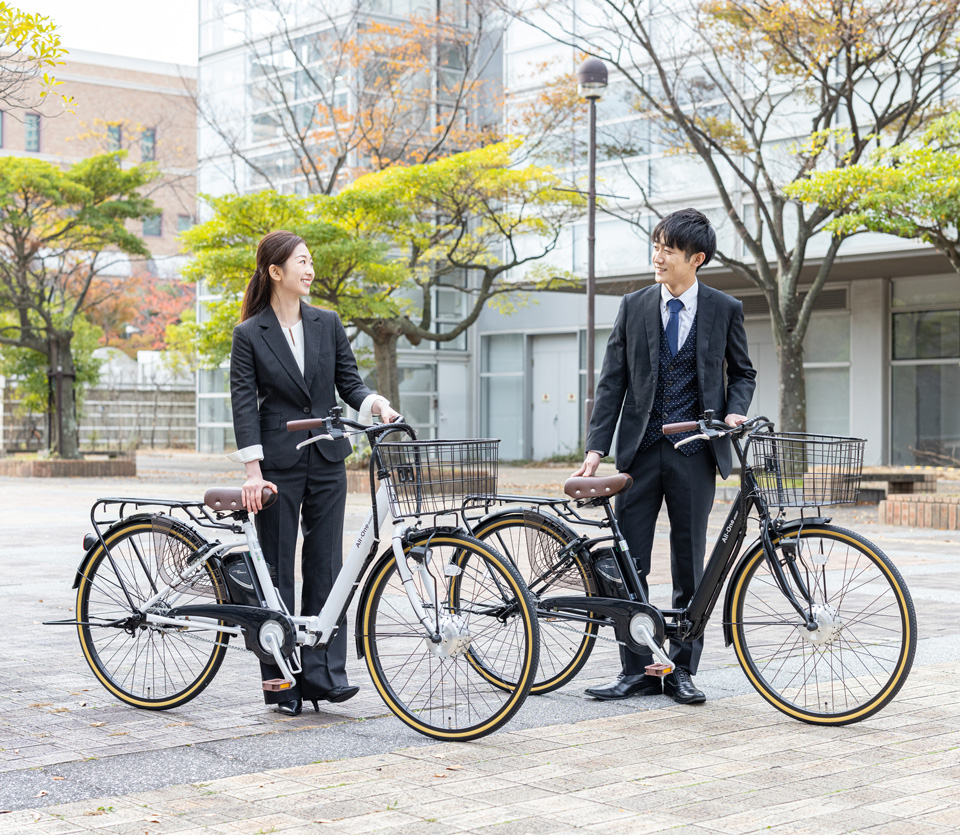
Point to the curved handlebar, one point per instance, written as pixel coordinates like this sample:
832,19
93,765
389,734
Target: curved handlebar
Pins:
334,423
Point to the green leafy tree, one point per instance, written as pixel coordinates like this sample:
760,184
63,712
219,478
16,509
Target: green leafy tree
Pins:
29,48
60,229
385,245
752,92
911,190
469,225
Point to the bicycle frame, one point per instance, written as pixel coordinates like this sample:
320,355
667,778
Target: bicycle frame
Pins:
688,623
313,631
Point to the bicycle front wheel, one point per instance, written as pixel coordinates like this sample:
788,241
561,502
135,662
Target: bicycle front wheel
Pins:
535,543
483,618
147,665
860,654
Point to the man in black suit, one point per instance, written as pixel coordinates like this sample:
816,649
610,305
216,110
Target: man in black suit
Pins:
664,363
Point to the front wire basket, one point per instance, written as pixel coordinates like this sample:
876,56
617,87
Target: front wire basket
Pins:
428,477
796,469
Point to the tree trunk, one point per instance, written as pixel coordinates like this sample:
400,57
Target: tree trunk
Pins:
793,386
65,438
385,337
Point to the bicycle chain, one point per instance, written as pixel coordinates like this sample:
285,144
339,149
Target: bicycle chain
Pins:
597,637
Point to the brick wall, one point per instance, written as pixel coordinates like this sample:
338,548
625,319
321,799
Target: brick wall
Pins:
921,511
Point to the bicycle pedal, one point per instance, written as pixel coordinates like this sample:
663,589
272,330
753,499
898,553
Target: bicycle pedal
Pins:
274,685
658,670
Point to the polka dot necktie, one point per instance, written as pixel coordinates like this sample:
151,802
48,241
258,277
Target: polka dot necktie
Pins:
673,326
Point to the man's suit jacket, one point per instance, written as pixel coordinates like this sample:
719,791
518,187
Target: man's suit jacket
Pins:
628,379
267,388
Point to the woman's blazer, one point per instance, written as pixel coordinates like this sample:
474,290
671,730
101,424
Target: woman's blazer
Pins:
267,388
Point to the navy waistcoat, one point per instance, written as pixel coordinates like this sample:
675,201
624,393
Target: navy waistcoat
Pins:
677,398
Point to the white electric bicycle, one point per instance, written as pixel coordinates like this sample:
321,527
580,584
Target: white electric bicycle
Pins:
445,624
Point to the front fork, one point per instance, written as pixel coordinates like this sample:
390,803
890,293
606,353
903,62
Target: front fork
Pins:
776,568
430,625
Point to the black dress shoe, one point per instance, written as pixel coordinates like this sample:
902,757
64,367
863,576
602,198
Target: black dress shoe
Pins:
626,686
336,694
291,708
679,686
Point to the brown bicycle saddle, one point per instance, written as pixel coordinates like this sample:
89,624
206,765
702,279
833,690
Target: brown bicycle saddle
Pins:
593,487
226,499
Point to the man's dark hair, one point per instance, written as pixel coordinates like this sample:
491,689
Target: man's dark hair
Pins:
687,230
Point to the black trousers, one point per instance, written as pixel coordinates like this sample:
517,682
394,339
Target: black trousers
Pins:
312,495
688,485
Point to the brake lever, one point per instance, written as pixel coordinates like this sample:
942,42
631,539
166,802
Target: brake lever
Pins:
699,437
314,439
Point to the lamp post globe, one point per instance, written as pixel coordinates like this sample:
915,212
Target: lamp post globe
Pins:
591,79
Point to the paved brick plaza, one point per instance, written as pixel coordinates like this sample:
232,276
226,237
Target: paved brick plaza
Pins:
74,760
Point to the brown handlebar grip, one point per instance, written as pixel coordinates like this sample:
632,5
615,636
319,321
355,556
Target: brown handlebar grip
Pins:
307,423
677,428
267,497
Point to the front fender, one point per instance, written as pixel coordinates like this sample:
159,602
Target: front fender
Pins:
789,528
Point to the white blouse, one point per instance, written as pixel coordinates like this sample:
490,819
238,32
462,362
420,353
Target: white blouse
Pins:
294,337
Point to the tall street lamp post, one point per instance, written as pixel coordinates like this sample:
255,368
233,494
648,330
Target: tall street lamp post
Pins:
591,82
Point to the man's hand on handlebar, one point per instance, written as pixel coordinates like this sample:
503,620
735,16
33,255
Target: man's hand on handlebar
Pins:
733,420
387,413
589,466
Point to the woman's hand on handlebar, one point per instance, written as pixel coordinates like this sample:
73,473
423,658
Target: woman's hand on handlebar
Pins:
733,420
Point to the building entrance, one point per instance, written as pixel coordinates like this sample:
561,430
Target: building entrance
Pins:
556,402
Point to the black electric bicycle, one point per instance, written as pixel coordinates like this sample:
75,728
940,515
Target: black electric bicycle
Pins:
819,618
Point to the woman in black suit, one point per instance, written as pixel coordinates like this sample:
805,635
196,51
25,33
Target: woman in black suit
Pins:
289,361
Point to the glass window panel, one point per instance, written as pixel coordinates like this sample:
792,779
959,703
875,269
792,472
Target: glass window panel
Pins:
114,137
419,410
910,292
538,64
501,404
213,381
827,339
828,401
502,353
459,343
184,222
214,440
31,129
148,145
933,334
418,378
214,410
153,226
925,417
620,245
449,303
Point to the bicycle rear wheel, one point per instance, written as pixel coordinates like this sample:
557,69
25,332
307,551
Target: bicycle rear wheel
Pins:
478,604
145,665
857,659
533,542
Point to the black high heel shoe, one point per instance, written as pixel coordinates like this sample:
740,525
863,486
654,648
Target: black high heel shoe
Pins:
337,694
291,708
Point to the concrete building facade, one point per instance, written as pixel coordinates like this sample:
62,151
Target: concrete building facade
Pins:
882,355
